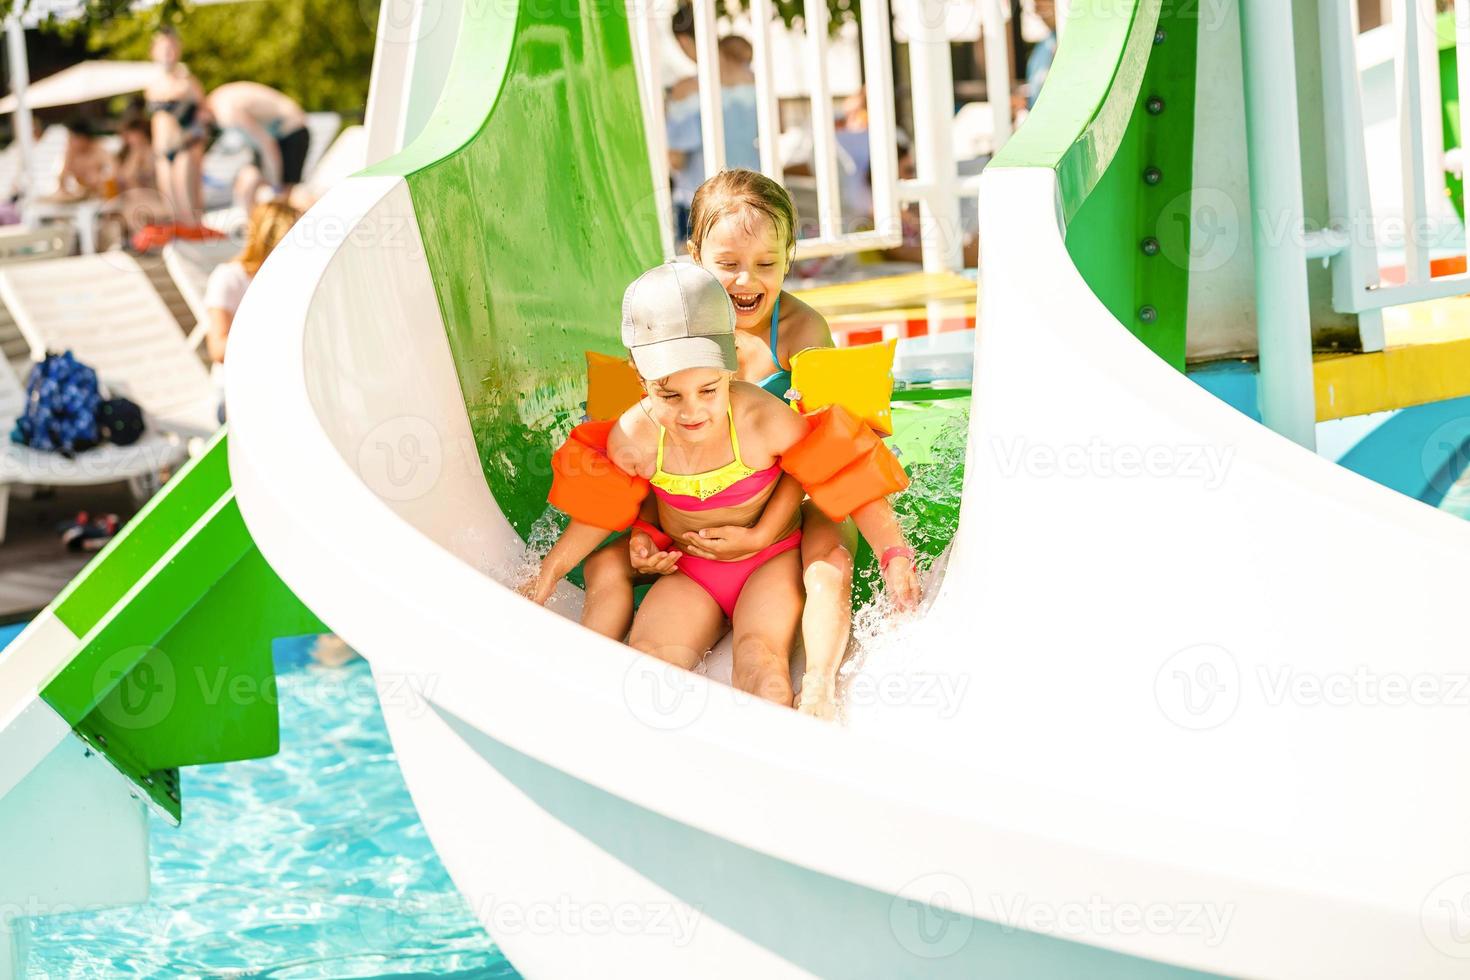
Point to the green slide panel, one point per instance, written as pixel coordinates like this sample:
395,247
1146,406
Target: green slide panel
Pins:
530,263
1449,87
174,620
1116,122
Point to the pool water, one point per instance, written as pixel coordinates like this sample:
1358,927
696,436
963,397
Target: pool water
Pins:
309,864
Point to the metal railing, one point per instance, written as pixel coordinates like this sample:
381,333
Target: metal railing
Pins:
1350,242
937,187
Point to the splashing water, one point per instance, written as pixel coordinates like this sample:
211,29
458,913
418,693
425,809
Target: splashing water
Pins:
929,514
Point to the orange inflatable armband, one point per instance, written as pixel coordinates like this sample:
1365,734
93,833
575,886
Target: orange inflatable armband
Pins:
589,487
613,386
842,464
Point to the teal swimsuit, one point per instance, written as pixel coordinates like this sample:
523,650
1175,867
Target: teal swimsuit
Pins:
778,383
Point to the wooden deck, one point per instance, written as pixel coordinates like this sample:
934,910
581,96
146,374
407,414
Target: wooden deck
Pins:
34,566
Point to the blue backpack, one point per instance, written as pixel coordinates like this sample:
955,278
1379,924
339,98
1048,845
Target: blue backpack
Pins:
61,407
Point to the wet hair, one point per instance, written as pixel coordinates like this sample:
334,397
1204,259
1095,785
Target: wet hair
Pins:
269,223
683,20
735,191
736,48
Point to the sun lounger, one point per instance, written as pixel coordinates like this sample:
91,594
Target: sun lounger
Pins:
138,464
104,310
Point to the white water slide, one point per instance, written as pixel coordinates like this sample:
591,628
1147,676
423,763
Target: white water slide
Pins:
1185,699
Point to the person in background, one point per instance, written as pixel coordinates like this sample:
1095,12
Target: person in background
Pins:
855,161
269,223
1038,64
86,168
274,125
682,117
179,130
135,168
136,202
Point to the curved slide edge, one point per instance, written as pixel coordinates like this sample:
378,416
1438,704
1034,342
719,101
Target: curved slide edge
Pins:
1243,620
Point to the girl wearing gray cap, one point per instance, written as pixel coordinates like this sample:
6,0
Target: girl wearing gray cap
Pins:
713,450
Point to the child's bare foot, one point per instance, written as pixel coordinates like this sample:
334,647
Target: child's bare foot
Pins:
817,697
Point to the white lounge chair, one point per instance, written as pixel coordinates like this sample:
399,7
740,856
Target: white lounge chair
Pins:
104,309
47,154
323,127
21,244
345,157
189,265
138,464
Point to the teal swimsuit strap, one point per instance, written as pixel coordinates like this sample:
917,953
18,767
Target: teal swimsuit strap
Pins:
777,382
776,332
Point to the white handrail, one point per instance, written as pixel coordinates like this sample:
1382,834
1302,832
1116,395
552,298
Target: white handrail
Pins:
651,94
1356,268
882,128
707,70
824,123
1414,47
997,69
1409,97
932,81
767,111
1283,310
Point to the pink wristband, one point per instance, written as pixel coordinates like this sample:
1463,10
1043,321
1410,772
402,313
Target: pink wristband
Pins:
897,551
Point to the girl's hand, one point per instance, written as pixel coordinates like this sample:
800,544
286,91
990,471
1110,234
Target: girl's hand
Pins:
648,560
902,582
729,543
539,588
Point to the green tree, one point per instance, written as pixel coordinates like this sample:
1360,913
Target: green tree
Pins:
319,52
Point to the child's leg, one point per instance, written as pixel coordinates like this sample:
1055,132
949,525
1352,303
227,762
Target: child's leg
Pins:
678,622
609,577
765,620
826,559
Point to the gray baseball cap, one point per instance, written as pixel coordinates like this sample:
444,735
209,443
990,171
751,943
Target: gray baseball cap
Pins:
677,316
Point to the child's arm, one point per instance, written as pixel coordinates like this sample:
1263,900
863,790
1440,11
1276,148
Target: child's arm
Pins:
576,543
646,557
733,542
875,520
879,526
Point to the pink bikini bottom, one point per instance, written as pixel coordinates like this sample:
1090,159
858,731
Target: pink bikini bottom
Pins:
723,580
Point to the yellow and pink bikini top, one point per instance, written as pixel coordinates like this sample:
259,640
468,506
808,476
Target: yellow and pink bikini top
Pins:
725,486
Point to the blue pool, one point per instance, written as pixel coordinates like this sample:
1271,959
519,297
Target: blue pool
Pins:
309,864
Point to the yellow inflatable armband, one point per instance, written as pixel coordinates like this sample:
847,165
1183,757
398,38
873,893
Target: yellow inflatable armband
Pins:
860,379
612,386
